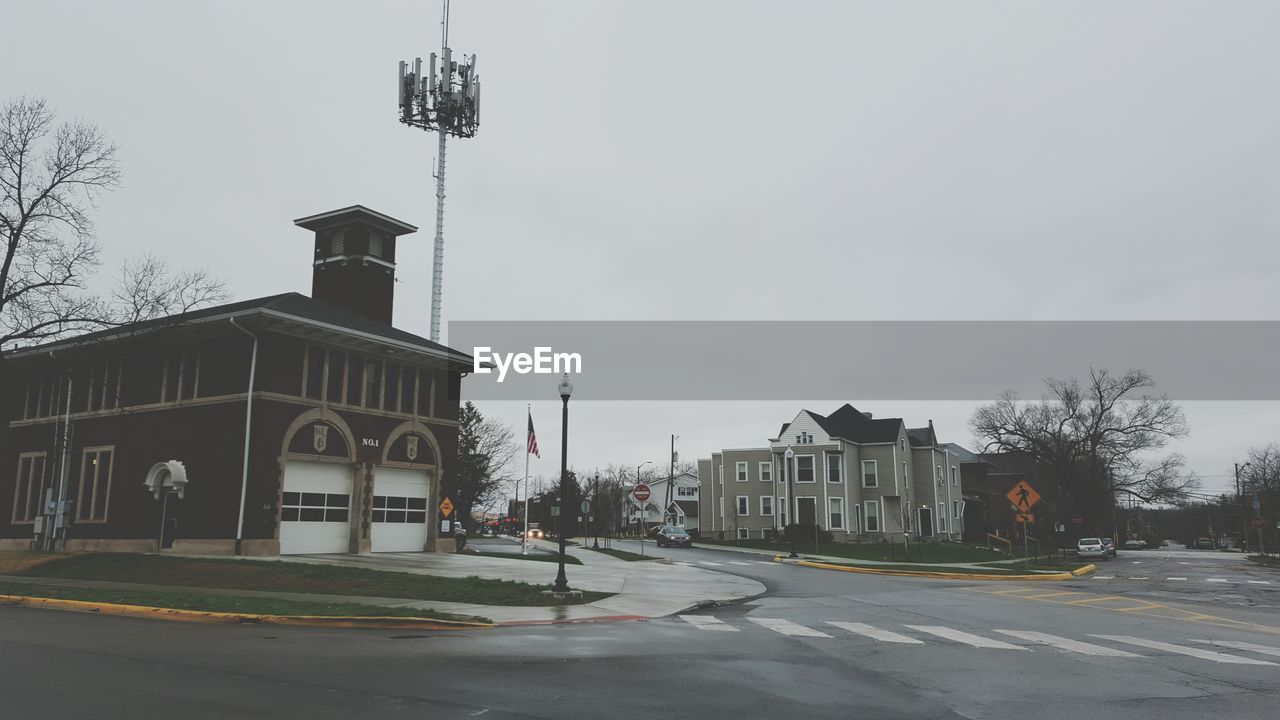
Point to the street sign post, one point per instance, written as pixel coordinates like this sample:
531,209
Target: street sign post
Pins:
446,507
1077,519
1256,522
586,507
1023,497
641,493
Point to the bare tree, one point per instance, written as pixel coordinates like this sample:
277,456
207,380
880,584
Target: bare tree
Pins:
1263,471
1094,439
486,460
51,176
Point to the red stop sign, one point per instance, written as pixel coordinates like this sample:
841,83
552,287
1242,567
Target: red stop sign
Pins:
641,493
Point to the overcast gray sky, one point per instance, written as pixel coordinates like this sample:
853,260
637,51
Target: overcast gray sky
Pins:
710,160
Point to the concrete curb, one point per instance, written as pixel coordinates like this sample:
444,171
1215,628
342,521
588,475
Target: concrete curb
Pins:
1084,570
927,573
200,616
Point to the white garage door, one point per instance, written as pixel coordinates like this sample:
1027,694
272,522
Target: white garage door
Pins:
400,500
316,508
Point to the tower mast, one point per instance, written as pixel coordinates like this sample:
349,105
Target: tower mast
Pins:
446,99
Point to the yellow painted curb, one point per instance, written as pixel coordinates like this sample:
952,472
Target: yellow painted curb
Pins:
202,616
930,573
1084,570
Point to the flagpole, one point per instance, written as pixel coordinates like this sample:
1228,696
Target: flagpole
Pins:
524,538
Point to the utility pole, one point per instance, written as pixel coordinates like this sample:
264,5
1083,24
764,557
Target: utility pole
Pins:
671,479
1244,520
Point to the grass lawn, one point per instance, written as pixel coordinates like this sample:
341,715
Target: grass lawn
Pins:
534,556
624,555
885,552
294,577
15,561
187,600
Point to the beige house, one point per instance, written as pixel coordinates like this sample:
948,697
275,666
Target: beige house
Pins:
859,477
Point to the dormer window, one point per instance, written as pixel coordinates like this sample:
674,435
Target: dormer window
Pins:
337,241
804,439
375,244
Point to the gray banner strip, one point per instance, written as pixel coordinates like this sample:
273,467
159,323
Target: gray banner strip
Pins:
872,360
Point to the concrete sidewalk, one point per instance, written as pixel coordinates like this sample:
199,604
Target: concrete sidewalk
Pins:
997,559
644,589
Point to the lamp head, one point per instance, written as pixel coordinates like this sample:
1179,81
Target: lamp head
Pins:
566,387
790,453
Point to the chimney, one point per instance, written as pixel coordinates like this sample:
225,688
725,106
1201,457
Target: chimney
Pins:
354,265
868,415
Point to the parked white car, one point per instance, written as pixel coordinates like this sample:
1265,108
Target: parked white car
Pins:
1091,548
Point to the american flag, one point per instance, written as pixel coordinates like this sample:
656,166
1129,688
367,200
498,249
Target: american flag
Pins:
533,439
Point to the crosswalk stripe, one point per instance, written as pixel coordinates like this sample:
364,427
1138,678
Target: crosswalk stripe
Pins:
1180,650
875,633
1104,577
708,622
786,627
964,637
1175,578
1259,582
1216,580
1251,647
737,562
709,562
1062,643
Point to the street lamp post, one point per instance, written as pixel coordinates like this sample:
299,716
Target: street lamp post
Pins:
595,501
791,518
566,389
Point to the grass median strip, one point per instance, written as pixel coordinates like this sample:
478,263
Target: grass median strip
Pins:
281,576
624,555
194,600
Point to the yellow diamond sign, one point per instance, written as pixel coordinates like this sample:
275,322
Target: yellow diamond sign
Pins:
446,507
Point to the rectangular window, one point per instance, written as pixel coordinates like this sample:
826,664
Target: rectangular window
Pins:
782,510
955,509
337,377
28,495
766,506
942,517
766,472
355,380
873,515
188,367
408,387
804,468
686,492
834,473
906,481
373,384
837,513
392,393
95,484
314,386
741,471
937,474
744,534
870,474
955,475
744,506
425,380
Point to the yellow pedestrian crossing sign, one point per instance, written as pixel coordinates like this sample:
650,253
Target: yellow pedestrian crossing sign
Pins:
446,507
1023,496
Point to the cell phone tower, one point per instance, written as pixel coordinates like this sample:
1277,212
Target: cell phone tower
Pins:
445,99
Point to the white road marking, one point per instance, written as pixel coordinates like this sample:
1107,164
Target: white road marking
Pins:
1218,580
964,637
708,622
736,562
1137,562
1067,644
875,633
786,627
1175,578
1104,577
1251,647
709,562
1259,582
1180,650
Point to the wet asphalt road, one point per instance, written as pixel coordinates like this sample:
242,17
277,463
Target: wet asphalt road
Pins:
819,644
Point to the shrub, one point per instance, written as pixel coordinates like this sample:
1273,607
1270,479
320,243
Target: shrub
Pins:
805,533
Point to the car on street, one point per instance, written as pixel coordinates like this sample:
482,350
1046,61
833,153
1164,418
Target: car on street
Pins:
1203,544
1110,545
1134,544
1091,548
535,532
673,536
